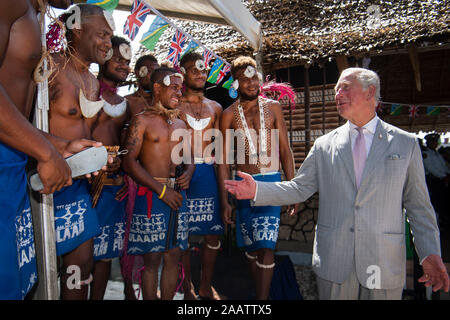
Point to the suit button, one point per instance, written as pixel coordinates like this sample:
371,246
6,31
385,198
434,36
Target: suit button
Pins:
357,207
352,229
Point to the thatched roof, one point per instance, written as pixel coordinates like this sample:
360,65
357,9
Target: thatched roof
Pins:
298,32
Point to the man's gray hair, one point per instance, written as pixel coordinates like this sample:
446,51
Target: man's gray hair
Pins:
367,78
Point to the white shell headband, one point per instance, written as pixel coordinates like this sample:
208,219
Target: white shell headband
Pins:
125,51
109,54
199,64
143,71
167,80
109,18
251,71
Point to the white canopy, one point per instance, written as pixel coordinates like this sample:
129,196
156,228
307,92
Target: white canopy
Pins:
229,12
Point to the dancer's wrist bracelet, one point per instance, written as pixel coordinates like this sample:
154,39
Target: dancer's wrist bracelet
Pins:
162,192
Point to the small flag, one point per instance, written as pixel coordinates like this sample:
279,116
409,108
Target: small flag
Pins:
227,84
396,109
433,111
108,5
223,72
215,69
176,46
207,57
139,12
191,47
151,37
413,111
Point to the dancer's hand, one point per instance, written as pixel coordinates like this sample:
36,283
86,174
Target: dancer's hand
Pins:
184,180
54,173
172,198
226,213
79,145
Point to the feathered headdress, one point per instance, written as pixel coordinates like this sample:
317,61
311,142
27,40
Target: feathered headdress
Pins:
278,91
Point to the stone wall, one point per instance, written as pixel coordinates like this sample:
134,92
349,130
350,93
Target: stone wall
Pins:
300,227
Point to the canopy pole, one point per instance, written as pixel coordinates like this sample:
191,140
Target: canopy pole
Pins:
42,207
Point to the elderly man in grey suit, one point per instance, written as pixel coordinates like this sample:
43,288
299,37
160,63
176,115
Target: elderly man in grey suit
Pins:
366,172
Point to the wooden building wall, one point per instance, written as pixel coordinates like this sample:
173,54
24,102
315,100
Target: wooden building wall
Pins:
323,118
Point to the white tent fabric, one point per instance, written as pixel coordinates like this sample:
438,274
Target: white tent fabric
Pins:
231,12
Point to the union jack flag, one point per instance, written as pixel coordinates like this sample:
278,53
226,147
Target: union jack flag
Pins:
139,12
413,111
176,46
207,57
223,72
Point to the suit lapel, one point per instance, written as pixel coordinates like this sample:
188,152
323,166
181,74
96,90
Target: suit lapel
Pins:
380,143
344,149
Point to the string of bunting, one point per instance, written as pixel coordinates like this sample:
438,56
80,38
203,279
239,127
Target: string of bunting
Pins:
139,12
109,5
395,109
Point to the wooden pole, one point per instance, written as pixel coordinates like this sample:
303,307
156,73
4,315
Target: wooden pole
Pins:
290,112
307,110
324,82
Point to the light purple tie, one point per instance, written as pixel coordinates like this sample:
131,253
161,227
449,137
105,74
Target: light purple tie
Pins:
359,155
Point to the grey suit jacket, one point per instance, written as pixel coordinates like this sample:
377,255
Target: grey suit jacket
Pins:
366,227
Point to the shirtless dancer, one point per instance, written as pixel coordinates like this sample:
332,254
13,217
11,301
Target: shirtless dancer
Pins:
137,102
143,70
20,53
257,227
107,129
201,114
150,164
74,108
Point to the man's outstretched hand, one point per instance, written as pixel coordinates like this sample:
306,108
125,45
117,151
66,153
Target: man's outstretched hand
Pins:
244,189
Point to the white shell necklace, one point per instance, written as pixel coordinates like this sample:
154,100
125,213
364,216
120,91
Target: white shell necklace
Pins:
263,159
197,124
89,108
115,110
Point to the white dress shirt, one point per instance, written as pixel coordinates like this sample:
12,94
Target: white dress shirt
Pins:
368,132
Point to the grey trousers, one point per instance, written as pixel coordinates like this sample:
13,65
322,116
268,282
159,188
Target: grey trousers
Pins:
351,289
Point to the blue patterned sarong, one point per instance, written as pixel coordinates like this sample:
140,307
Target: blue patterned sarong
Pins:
75,219
203,202
111,217
257,227
149,235
18,271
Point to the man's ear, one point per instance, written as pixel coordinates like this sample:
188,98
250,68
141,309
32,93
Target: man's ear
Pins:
156,89
76,34
371,92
